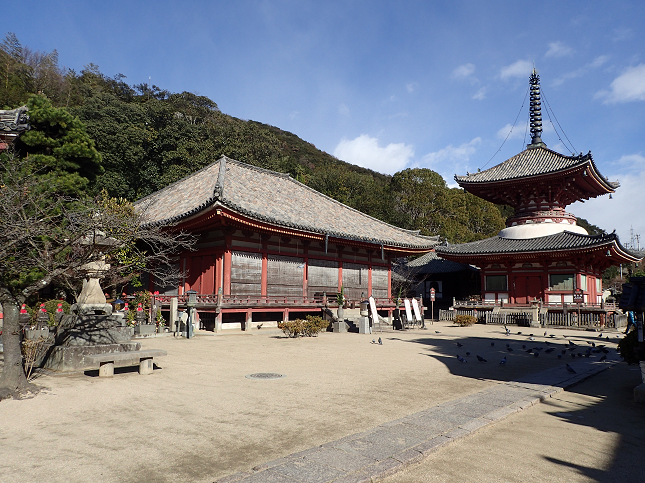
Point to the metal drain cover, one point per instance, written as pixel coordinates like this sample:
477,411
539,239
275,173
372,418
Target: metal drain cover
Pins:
265,375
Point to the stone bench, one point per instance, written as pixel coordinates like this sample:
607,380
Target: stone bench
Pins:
130,358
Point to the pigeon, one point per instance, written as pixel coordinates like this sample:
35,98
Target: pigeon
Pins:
573,356
531,338
545,333
549,350
481,359
509,349
437,332
459,344
570,369
468,354
564,351
523,346
579,354
380,341
508,345
503,361
589,342
603,358
593,344
559,356
373,341
492,344
461,359
551,335
530,351
530,335
600,336
508,331
536,354
519,333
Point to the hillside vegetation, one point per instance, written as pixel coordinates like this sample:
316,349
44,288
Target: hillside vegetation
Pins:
149,137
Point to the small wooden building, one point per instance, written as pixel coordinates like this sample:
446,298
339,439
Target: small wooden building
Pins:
270,248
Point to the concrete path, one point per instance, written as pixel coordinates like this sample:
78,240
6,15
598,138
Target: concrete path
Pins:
392,446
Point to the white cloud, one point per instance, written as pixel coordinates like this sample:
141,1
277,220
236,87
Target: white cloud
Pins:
480,95
343,110
411,87
365,151
450,160
463,71
558,49
632,162
621,34
521,68
622,211
627,87
594,64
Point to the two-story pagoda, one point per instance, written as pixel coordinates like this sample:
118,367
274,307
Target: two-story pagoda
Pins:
542,254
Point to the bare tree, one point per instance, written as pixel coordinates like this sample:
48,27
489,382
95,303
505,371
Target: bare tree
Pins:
46,239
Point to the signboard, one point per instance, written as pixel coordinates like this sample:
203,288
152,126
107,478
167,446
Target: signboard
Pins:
408,310
432,294
578,296
415,307
375,318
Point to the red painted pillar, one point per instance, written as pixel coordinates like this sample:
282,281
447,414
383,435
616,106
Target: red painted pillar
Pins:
369,280
340,274
264,276
227,266
218,272
305,279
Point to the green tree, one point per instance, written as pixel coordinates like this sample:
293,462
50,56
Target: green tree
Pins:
45,240
59,148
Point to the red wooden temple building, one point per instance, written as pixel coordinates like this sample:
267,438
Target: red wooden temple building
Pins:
270,248
542,254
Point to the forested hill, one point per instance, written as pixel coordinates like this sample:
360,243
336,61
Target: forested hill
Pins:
149,137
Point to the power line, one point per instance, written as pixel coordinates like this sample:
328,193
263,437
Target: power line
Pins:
509,133
554,129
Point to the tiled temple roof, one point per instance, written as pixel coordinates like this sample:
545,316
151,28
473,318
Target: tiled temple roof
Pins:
274,198
534,161
552,243
432,263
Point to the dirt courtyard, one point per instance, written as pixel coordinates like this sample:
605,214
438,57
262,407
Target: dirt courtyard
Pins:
199,418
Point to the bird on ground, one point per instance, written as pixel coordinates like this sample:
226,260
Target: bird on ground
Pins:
461,359
559,356
492,344
545,333
481,359
549,350
508,345
380,341
573,356
508,331
593,344
530,351
564,336
588,342
503,361
519,333
571,369
600,336
564,351
603,358
468,354
551,335
579,354
523,346
536,354
531,338
373,341
509,349
530,335
459,344
437,332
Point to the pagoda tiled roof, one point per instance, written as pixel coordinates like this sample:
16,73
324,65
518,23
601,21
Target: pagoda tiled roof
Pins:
533,161
565,240
273,198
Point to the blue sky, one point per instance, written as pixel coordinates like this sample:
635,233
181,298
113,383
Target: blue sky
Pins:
387,85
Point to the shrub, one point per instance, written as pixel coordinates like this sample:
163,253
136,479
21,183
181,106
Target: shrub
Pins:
627,346
310,327
465,320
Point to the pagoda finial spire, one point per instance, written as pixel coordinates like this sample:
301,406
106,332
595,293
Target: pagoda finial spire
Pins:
535,110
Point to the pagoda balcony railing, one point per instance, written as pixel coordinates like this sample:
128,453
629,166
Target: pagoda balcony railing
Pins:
492,303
